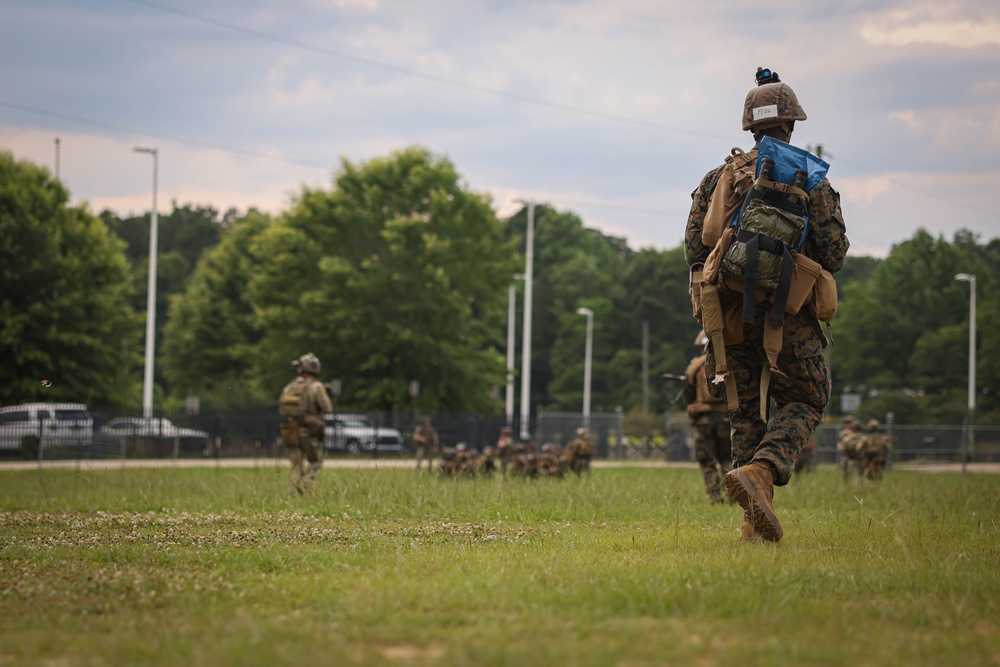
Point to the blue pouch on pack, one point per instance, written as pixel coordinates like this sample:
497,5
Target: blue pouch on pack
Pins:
787,159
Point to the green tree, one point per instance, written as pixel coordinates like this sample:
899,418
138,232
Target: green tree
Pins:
398,273
902,334
573,266
185,233
63,307
655,290
210,333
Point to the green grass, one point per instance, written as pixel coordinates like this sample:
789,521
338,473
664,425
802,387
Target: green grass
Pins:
634,567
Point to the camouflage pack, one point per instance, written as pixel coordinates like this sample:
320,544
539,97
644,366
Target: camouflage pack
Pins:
292,402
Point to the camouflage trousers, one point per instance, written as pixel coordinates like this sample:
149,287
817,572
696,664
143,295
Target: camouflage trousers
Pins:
425,452
306,460
852,467
800,394
713,450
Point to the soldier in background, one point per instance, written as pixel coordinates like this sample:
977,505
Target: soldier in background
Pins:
551,462
301,403
579,453
708,416
506,449
849,444
874,450
425,437
485,463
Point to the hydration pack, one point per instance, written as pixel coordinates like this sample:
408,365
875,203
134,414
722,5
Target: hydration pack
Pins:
292,402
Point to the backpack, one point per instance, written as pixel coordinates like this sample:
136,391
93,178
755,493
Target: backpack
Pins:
292,402
764,223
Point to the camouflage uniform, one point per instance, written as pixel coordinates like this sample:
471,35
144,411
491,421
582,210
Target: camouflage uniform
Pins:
874,449
712,446
551,461
579,453
505,449
425,437
764,452
803,391
306,456
849,444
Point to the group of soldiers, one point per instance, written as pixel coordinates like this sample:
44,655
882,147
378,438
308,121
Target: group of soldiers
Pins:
863,453
518,459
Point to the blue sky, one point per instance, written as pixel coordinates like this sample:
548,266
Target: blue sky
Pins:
613,110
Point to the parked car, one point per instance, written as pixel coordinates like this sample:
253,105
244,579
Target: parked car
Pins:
50,424
151,427
357,433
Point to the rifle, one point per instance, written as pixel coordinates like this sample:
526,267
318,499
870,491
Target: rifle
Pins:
677,396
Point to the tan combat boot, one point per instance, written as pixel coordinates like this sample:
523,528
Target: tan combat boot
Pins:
752,487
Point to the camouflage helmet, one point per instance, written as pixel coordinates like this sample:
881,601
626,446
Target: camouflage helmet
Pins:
874,425
770,103
307,363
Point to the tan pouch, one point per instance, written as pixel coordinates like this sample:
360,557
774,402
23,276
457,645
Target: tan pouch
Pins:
290,433
694,284
824,297
732,318
734,182
713,265
804,274
315,426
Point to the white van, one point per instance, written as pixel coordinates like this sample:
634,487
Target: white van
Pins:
51,423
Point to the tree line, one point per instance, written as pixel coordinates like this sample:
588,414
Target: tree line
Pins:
399,272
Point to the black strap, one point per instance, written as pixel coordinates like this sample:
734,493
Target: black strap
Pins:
753,244
784,285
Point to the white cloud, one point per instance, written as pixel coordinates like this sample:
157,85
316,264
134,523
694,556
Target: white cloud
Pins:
930,25
908,118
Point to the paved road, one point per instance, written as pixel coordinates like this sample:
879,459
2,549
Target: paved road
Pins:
115,464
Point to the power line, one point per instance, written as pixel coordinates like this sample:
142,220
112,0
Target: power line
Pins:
160,135
517,97
257,154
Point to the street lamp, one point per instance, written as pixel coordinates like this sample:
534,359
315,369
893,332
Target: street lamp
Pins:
529,260
511,316
147,377
971,279
587,363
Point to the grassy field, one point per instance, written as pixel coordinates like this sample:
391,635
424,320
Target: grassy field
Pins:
633,567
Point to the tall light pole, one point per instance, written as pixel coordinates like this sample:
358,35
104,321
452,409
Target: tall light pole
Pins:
147,376
971,279
57,158
587,359
529,260
511,316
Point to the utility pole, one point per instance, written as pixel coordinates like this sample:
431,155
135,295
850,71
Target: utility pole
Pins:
511,316
645,366
147,377
57,158
529,260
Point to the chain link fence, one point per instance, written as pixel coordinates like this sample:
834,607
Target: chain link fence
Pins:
48,434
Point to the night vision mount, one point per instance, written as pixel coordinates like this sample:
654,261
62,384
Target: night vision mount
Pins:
765,75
